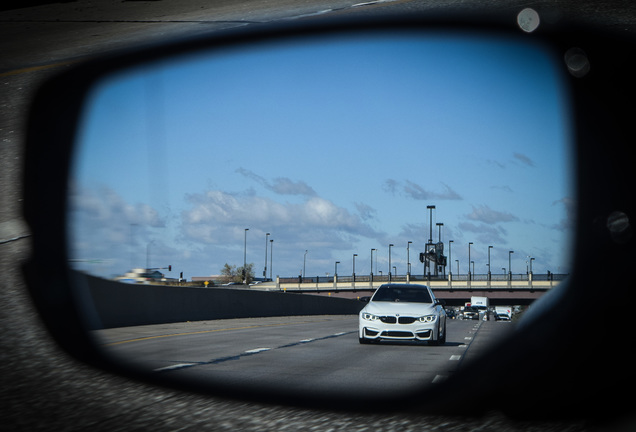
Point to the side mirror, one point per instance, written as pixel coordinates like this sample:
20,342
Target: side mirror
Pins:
220,142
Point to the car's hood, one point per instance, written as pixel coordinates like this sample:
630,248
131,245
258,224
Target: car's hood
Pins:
400,308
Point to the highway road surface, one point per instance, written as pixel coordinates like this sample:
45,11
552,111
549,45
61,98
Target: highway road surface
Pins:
317,353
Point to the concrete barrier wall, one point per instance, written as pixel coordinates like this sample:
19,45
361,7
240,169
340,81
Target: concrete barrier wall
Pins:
120,305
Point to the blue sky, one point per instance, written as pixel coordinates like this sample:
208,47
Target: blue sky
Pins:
333,147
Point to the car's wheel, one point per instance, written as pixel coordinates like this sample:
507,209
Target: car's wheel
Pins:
366,341
441,340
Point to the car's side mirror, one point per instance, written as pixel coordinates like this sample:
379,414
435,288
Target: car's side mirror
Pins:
336,141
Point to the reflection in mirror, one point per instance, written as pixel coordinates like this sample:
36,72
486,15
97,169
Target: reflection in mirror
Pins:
308,173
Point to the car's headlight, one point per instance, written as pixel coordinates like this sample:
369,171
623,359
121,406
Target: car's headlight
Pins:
369,317
428,318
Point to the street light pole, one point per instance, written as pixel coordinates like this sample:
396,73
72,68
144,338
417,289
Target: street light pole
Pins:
408,258
531,259
469,243
245,255
450,260
271,257
354,267
510,264
304,263
373,249
390,245
265,268
489,273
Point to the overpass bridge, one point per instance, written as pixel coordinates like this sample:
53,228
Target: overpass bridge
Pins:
515,289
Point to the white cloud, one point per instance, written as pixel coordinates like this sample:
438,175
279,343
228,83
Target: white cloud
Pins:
215,214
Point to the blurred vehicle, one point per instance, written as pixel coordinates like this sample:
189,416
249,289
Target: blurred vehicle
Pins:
471,312
483,306
503,313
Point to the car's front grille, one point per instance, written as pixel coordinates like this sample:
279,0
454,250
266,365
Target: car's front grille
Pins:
400,320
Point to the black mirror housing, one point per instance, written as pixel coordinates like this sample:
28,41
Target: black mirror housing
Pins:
536,358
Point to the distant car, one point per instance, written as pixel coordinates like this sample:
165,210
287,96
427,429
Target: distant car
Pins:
403,312
471,312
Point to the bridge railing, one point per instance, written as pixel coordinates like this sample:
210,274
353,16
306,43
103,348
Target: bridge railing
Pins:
476,281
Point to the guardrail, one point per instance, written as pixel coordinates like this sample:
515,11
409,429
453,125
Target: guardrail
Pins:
368,282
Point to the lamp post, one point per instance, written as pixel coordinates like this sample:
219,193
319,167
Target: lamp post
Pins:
450,260
430,237
265,268
353,273
390,246
469,243
245,255
489,274
373,249
531,259
439,242
510,264
304,263
430,232
408,258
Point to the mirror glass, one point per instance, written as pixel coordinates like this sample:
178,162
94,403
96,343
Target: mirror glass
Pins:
229,208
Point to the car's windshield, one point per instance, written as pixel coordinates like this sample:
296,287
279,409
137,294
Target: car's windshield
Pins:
402,294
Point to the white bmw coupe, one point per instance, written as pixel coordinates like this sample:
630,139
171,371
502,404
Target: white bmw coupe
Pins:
403,312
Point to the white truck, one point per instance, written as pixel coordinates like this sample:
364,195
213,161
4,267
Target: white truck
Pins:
483,305
503,313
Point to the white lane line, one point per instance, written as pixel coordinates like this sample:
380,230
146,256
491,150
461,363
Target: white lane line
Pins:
455,357
257,350
174,367
369,3
439,378
310,14
468,338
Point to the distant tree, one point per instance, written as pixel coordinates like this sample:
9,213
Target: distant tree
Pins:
234,274
248,276
228,272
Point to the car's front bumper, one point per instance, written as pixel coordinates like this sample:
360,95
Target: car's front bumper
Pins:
414,331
